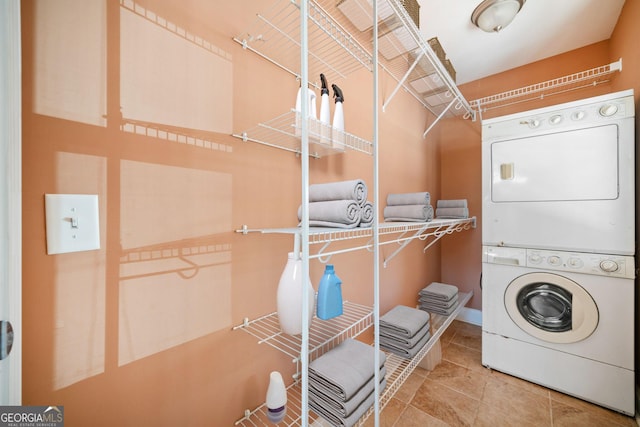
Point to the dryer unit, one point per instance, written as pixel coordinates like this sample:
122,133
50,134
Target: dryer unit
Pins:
562,177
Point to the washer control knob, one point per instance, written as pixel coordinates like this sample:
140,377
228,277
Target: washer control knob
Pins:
578,115
555,119
609,266
574,262
535,258
553,260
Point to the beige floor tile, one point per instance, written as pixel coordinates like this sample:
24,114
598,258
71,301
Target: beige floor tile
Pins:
406,392
414,417
567,409
464,356
517,402
445,404
459,378
489,416
519,382
390,415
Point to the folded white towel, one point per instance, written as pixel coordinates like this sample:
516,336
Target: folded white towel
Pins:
452,213
355,189
408,213
452,203
366,216
422,198
333,213
441,291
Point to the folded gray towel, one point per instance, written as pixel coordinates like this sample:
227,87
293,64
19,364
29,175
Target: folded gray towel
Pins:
452,213
333,213
355,189
441,291
435,302
403,321
439,310
366,216
422,198
408,213
345,369
403,351
336,420
452,203
403,341
345,409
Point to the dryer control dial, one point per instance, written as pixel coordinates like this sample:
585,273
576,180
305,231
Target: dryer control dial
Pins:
609,266
535,258
554,260
575,262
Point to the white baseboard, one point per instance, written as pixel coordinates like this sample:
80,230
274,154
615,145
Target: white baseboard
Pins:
470,315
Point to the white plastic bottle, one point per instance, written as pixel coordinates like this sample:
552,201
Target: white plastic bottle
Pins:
291,291
309,96
338,135
276,400
325,113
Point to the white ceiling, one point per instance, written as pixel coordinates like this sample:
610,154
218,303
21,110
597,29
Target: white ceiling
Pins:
542,29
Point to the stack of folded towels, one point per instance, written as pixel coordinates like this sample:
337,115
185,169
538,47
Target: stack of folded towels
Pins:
411,207
341,382
404,331
452,208
341,204
439,298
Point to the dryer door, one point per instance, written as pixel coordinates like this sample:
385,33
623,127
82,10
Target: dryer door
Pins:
551,307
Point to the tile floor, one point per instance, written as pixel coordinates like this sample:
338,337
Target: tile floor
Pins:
461,392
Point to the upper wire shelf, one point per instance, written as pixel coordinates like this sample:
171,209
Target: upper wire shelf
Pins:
591,77
404,54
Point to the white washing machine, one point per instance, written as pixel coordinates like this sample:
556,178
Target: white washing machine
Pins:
564,320
562,177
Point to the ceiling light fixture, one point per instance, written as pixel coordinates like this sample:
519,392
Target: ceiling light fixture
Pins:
494,15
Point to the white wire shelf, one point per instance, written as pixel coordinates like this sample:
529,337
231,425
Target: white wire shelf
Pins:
284,132
582,79
336,52
275,35
323,334
398,370
400,233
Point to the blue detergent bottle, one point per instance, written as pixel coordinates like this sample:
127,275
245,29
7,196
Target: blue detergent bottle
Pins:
329,303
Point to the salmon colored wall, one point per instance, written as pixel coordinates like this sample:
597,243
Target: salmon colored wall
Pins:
460,141
134,334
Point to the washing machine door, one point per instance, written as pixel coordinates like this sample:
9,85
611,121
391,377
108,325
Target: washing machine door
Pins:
551,307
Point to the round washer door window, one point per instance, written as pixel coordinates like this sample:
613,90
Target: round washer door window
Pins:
551,307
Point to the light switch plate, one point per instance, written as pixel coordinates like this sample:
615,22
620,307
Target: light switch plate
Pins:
72,222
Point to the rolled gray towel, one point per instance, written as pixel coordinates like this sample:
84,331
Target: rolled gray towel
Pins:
333,213
355,189
452,203
404,321
441,291
452,213
345,409
366,217
421,198
403,351
408,213
345,369
401,341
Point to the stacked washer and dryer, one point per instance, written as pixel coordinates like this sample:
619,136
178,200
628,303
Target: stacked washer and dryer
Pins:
558,231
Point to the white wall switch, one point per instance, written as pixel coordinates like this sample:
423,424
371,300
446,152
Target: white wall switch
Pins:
72,223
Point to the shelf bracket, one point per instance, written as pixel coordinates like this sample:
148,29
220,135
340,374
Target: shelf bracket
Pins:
424,135
403,242
402,81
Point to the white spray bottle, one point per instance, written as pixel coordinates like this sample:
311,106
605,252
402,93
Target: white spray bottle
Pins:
309,96
338,135
325,112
